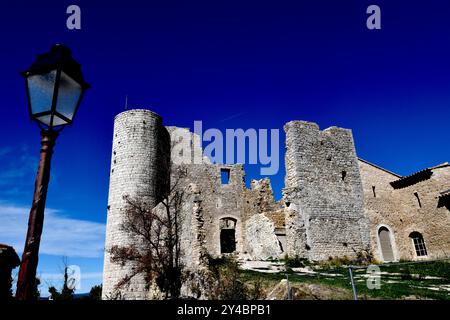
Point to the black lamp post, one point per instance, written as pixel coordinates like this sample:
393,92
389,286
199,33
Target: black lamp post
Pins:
55,87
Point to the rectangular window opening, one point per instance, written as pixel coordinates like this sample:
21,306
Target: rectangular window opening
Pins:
225,176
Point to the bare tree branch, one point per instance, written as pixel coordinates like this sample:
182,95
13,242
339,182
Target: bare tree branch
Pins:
156,252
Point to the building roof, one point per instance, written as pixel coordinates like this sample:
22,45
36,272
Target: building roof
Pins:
8,257
380,168
442,165
405,181
416,177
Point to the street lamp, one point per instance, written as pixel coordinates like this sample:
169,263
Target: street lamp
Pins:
55,87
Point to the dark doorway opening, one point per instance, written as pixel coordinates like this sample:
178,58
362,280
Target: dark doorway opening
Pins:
227,241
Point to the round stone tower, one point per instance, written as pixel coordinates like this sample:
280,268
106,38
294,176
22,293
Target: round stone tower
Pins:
139,169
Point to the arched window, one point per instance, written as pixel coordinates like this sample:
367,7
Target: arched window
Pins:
227,235
384,238
419,243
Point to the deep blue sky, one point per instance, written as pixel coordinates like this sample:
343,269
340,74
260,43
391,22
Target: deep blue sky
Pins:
232,64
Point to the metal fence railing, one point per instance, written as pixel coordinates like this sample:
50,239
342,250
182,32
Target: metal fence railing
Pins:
397,280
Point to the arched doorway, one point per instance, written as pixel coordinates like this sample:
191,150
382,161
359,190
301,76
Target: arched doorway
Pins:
385,240
227,235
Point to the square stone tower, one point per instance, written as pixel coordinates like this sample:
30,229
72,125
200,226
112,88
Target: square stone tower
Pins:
323,193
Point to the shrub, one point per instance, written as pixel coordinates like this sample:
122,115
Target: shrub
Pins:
95,293
224,281
364,257
295,262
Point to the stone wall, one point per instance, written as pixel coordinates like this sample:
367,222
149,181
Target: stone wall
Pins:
219,201
262,242
232,200
333,205
263,221
399,211
324,192
139,169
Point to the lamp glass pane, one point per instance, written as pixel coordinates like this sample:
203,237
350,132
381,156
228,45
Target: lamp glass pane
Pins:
41,88
69,93
57,121
45,119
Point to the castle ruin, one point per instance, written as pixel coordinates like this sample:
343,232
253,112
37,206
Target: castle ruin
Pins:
333,205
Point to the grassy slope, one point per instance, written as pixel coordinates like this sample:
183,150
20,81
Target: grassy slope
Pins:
408,280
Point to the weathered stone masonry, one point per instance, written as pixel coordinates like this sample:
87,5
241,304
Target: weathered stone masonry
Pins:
139,152
323,187
414,207
333,205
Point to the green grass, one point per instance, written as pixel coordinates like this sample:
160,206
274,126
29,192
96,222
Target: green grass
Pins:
433,268
411,281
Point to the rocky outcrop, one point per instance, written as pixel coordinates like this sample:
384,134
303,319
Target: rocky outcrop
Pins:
262,241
